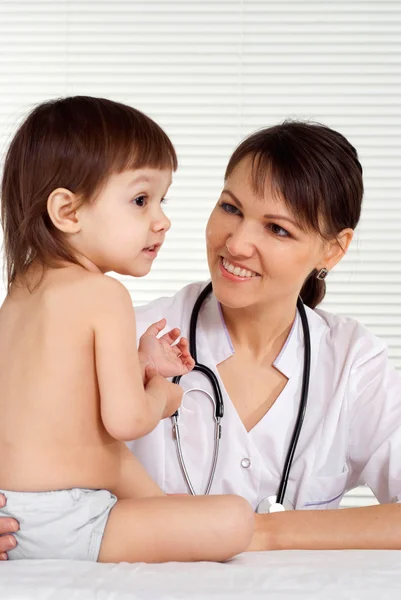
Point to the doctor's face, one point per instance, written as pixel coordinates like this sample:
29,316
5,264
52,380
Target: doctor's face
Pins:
257,252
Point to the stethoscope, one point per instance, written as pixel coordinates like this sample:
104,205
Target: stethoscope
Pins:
271,503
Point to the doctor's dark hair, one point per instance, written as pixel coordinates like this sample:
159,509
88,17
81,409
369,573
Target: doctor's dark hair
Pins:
74,143
316,171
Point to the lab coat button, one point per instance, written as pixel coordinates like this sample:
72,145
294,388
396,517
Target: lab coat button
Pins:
246,463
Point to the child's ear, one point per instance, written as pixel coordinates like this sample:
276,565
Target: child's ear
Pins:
61,208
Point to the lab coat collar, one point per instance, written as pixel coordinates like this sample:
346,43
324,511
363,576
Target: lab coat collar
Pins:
213,332
291,357
220,345
291,352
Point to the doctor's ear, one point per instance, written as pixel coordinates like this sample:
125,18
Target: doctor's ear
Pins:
62,205
336,249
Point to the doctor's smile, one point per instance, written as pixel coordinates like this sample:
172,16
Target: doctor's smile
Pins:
235,272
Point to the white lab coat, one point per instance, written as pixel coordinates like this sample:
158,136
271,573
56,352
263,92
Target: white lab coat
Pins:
351,433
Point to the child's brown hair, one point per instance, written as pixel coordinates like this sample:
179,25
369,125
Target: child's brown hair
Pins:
74,143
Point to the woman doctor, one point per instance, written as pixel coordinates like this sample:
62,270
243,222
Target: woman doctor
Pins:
286,216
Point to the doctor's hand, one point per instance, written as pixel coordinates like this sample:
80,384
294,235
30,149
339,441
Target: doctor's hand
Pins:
159,387
167,356
7,528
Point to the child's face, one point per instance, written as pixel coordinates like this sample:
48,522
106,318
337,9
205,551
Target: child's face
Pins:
124,228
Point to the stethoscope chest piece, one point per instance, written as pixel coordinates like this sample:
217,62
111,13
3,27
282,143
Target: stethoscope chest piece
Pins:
269,505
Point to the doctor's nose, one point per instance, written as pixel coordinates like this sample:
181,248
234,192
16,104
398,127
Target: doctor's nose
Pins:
240,242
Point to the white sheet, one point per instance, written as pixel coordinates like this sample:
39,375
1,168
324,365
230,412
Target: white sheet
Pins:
290,575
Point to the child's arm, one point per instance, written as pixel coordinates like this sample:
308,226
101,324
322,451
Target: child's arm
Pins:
128,410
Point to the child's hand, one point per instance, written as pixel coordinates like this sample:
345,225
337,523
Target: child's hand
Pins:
169,360
158,386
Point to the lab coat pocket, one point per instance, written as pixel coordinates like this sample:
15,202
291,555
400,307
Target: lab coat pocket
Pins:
325,492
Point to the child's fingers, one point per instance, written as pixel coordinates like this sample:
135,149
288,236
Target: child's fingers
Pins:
176,350
183,346
171,336
186,357
173,352
156,328
189,363
183,343
150,372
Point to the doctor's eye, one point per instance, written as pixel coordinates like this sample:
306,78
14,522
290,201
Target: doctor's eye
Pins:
140,201
278,231
229,208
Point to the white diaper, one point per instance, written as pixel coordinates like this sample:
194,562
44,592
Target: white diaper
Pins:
65,524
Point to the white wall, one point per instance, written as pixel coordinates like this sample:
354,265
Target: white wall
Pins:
212,71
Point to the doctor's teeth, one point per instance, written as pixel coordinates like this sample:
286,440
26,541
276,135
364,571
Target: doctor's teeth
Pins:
238,271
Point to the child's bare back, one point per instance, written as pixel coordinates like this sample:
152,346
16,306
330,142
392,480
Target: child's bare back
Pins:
51,430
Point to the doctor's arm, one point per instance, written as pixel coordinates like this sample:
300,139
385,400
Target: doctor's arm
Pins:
374,457
370,527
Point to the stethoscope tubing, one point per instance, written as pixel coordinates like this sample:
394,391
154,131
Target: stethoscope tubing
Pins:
282,488
219,403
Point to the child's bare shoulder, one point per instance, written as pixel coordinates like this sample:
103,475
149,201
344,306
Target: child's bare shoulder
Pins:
107,290
107,301
92,293
99,290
